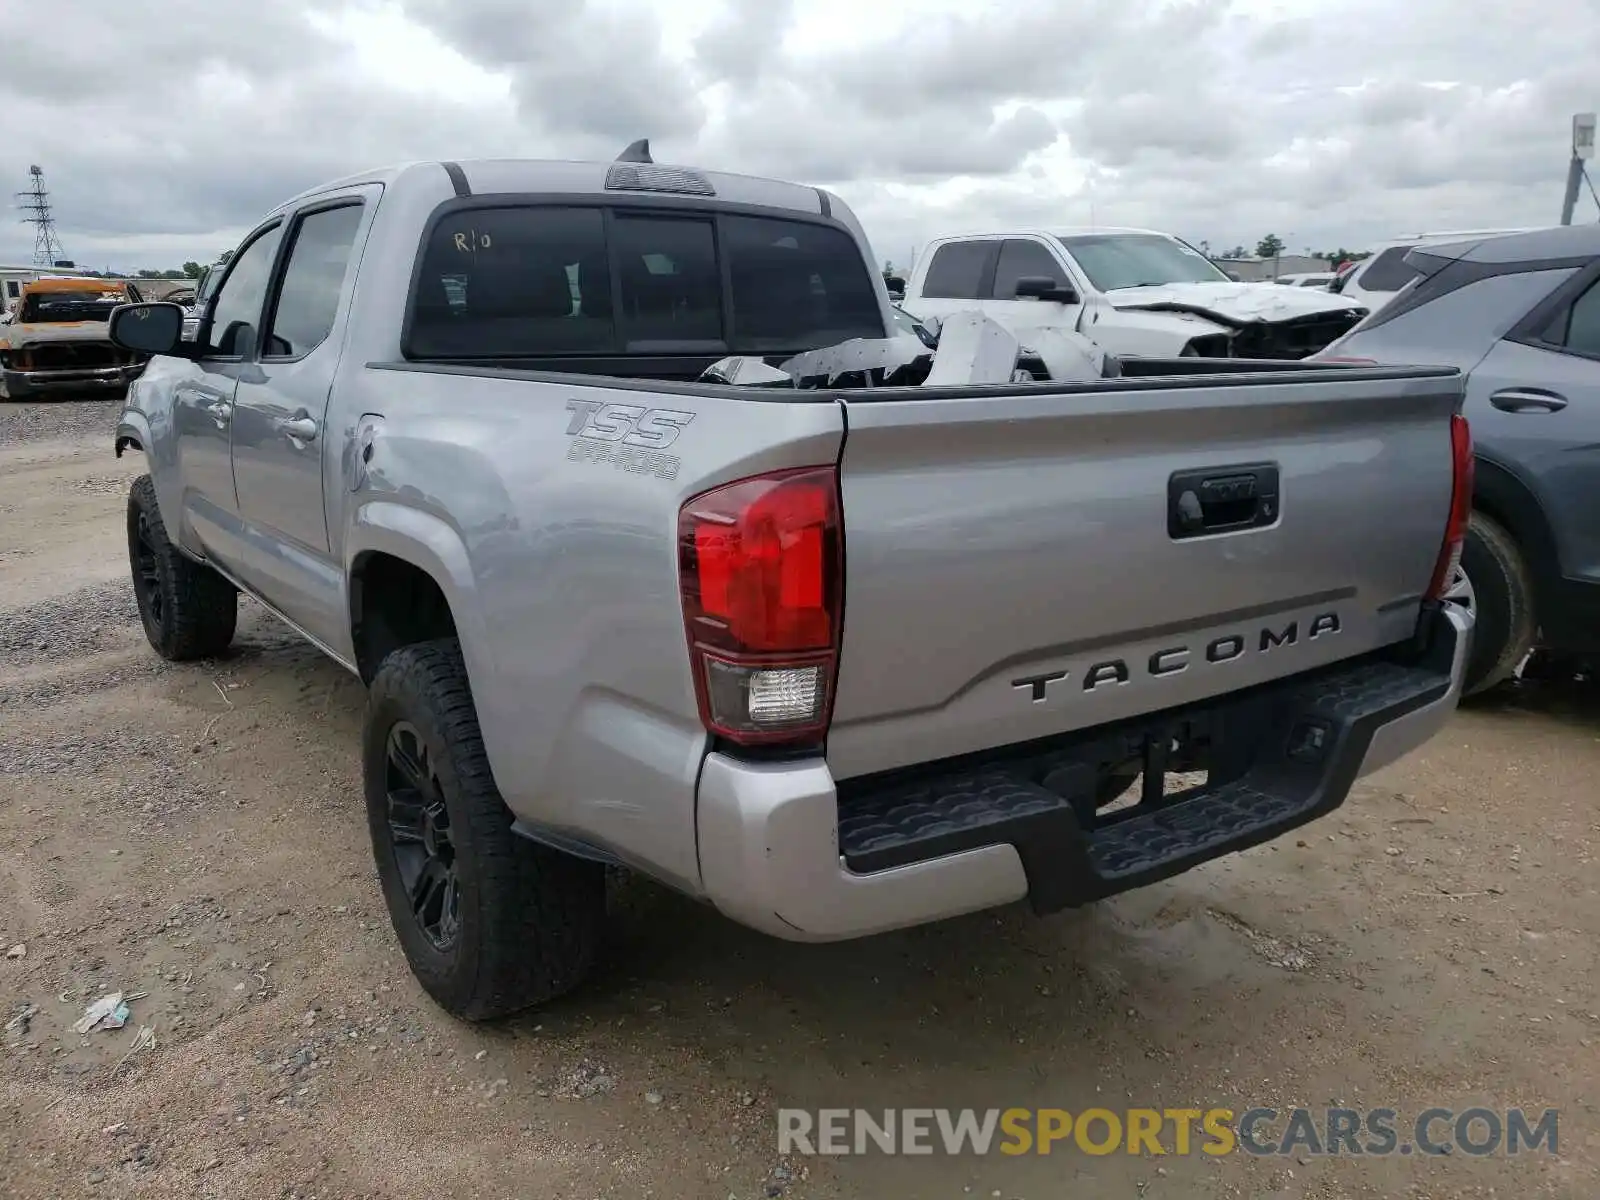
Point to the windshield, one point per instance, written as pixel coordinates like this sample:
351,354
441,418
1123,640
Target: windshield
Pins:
1125,260
42,308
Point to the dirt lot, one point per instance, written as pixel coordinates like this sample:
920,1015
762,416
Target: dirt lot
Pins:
195,834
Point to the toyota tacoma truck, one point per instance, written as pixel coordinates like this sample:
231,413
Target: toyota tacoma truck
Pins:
57,341
835,660
1134,292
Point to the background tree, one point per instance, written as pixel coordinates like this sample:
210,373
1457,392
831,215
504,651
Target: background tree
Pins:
1270,246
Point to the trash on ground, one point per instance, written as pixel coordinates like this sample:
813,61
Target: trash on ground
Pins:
109,1012
17,951
19,1023
145,1039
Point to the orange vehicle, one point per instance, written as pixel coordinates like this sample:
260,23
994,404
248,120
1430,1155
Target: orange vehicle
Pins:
56,340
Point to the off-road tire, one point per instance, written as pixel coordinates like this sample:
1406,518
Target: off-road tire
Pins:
1502,586
187,609
530,918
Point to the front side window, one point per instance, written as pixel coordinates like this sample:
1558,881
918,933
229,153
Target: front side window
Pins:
236,316
308,298
549,281
1020,259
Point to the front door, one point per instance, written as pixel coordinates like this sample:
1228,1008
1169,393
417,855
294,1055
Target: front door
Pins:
283,451
1536,403
203,399
1020,258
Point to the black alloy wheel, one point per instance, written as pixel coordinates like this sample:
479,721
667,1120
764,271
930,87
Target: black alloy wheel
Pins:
147,575
424,850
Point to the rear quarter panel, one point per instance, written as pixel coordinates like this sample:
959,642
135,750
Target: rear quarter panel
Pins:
561,568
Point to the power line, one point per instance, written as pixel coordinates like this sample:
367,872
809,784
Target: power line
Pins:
35,202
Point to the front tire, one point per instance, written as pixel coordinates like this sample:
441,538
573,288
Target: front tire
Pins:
1502,601
187,609
490,922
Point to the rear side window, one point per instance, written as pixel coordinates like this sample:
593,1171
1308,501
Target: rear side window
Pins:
1577,326
308,297
1388,272
957,271
543,281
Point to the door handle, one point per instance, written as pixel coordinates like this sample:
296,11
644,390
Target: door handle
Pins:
220,411
301,429
1522,400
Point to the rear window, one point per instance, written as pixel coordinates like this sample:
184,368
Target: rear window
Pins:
544,281
1387,272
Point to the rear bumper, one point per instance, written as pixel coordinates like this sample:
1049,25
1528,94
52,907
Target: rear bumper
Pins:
785,850
19,384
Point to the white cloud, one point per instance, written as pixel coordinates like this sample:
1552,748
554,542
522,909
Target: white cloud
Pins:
165,128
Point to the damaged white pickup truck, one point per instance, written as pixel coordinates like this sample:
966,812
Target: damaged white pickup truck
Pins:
656,546
1134,292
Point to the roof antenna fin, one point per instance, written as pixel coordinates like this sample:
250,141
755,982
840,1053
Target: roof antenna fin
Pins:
637,152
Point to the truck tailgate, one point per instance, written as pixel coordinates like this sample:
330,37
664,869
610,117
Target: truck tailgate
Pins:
1030,562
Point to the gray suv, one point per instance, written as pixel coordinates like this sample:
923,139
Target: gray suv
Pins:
1520,315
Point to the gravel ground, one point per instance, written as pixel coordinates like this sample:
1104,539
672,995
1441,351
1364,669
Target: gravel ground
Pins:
194,836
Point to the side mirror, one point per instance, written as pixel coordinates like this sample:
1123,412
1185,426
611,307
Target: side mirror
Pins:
1042,287
154,328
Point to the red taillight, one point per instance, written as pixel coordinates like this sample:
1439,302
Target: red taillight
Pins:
1455,530
761,569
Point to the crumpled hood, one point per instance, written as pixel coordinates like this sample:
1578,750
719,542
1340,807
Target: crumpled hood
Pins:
1233,303
13,336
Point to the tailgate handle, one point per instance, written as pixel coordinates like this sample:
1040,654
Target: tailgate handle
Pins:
1221,499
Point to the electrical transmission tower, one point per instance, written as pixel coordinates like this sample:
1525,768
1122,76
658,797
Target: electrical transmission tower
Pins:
35,202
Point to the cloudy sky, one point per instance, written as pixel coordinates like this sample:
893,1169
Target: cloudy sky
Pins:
166,127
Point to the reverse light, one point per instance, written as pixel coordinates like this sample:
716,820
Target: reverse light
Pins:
1455,530
761,571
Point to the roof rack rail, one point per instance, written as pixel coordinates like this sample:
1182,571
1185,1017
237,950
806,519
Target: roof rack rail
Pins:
637,152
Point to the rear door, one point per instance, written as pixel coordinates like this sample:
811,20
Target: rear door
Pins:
1012,569
960,278
283,453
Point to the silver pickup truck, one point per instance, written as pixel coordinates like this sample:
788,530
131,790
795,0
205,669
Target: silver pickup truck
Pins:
834,660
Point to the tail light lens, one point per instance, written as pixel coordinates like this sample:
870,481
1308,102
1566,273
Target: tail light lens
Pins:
761,569
1455,532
